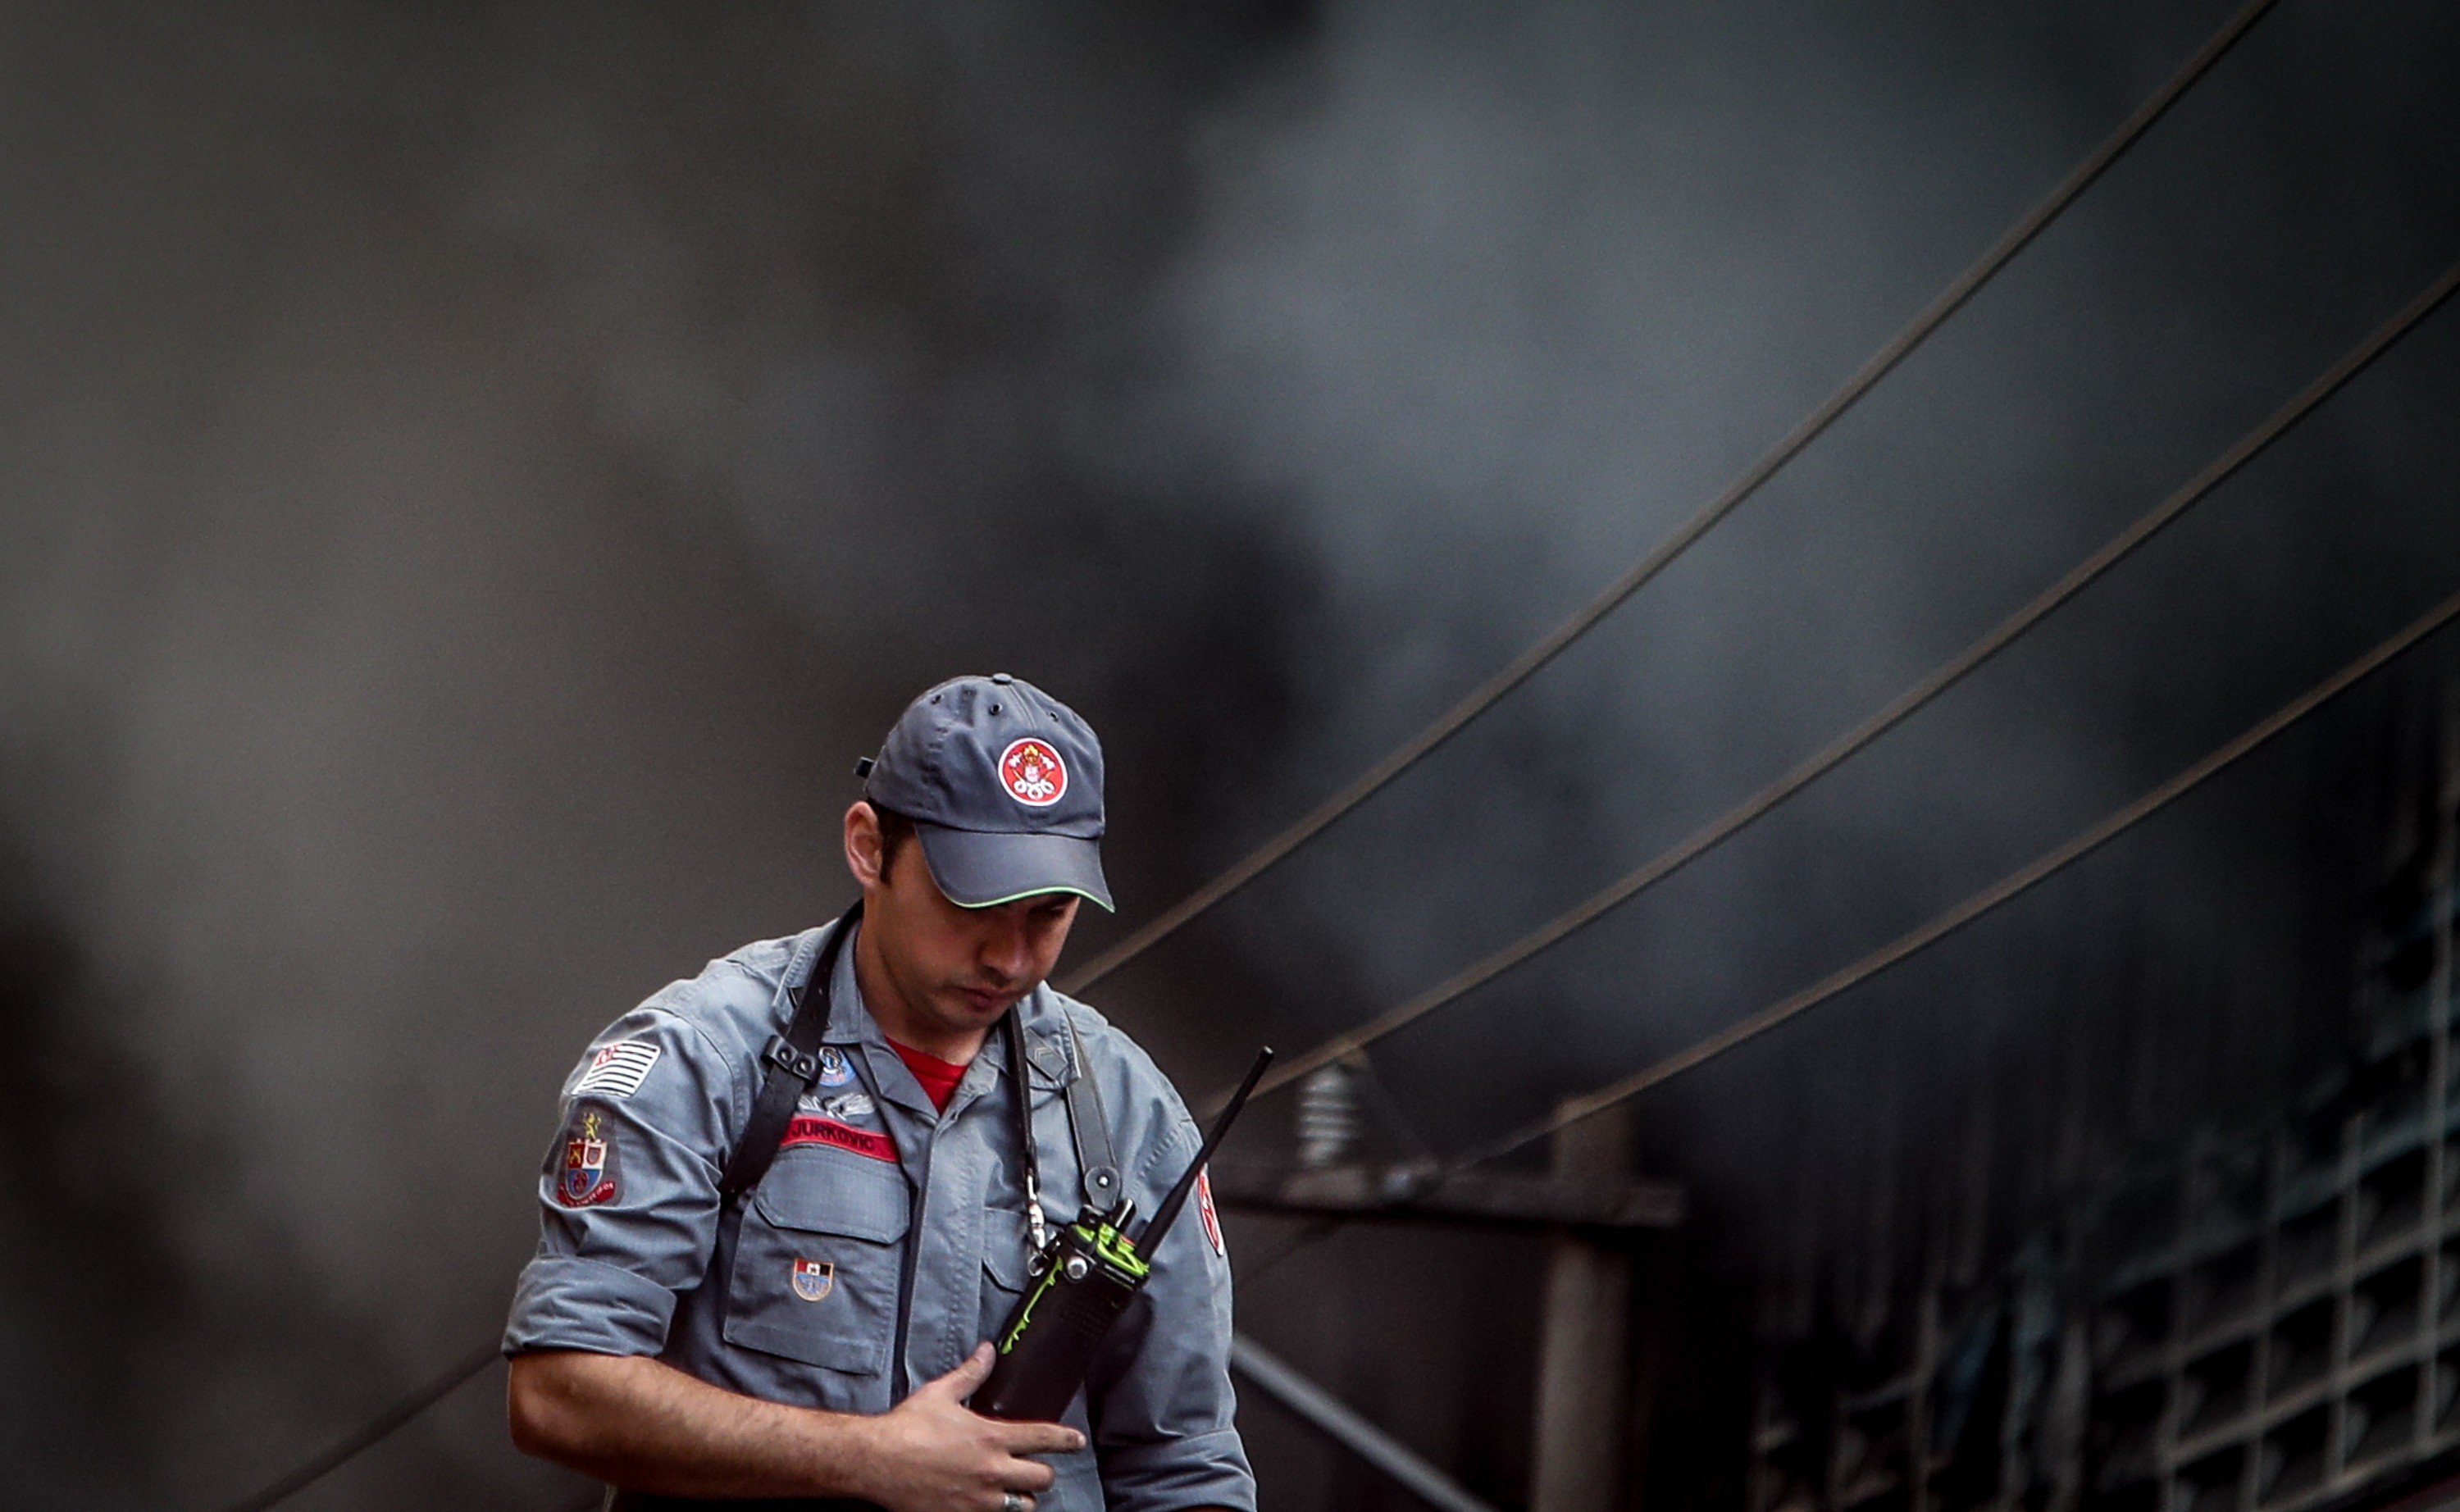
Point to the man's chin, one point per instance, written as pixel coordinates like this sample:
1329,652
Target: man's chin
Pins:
978,1008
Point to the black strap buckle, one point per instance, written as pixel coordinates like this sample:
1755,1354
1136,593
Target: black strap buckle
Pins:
805,1068
1095,1158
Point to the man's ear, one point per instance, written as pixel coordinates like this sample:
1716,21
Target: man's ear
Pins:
862,853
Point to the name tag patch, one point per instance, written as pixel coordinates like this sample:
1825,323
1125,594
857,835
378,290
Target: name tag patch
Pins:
616,1069
809,1129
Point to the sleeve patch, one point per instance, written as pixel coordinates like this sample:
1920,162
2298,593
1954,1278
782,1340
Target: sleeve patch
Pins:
1204,1210
586,1177
616,1069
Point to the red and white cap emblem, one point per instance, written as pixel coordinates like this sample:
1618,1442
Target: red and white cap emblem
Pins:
1031,772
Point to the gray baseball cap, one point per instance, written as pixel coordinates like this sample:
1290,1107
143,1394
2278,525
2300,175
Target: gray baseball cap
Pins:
1004,784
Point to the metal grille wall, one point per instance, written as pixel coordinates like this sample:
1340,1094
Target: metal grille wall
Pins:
2270,1324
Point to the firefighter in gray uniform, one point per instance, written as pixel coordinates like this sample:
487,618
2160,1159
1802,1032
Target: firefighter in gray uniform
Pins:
802,1319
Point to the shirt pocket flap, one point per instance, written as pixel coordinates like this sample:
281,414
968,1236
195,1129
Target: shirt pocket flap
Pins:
866,1200
833,1349
816,1270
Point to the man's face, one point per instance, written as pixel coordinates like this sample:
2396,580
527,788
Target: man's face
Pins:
957,969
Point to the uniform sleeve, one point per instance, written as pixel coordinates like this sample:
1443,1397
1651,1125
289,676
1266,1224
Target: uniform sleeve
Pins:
627,1198
1164,1420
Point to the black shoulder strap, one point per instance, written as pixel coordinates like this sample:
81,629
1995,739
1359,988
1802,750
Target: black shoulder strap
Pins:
1095,1155
1037,1227
792,1063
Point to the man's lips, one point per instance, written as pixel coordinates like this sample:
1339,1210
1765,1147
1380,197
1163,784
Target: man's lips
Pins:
985,1000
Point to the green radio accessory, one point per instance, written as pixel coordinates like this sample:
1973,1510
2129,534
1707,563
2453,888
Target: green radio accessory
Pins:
1081,1282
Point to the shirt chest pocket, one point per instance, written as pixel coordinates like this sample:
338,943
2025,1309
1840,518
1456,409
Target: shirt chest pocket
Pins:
817,1266
1003,1269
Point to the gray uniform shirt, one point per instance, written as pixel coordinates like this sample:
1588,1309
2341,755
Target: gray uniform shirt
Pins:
889,1237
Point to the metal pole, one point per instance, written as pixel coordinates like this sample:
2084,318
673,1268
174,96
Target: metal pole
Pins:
1584,1362
1336,1420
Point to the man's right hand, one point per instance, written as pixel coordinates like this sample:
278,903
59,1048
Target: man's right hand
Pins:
931,1452
638,1422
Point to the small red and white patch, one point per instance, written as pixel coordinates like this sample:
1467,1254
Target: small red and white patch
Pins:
814,1279
1204,1210
1032,772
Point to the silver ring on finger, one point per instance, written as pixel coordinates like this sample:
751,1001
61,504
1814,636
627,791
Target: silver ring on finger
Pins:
1014,1502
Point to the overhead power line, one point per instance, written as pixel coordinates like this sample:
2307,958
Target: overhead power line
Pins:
1342,1423
1487,694
1971,910
1953,670
2008,888
374,1431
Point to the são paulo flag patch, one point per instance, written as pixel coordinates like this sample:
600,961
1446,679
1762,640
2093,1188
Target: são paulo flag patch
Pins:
616,1069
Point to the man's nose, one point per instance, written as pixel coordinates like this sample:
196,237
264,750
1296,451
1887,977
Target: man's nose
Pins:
1005,951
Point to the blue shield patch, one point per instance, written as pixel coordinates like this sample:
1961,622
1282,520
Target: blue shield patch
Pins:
585,1177
814,1279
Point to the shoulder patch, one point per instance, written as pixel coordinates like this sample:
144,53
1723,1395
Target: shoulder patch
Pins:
616,1069
587,1175
1204,1210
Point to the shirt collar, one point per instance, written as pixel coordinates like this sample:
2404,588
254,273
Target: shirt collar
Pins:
850,1020
850,1023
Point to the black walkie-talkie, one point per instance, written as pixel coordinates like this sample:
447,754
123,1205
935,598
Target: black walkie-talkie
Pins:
1082,1281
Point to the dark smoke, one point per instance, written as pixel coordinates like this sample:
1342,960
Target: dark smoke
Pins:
97,1174
475,478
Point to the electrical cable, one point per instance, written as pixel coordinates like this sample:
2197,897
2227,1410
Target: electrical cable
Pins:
1487,694
1953,670
1791,445
1970,910
372,1432
1572,1111
2014,884
1309,1234
376,1429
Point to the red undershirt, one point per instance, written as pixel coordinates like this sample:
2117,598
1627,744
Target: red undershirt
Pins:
939,1078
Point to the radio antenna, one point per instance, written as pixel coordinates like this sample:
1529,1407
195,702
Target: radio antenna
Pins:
1167,1213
